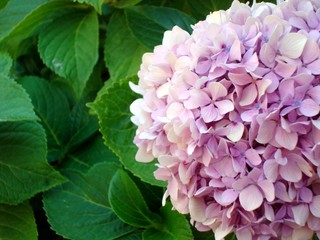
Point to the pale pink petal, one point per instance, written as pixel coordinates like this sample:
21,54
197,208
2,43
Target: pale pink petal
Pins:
235,51
309,108
302,233
221,232
250,198
314,66
285,69
300,214
314,93
203,66
267,55
249,95
224,106
240,79
315,206
290,172
292,45
197,209
247,116
244,234
268,189
197,99
217,90
311,51
266,132
226,197
174,110
285,139
270,169
209,113
262,86
235,132
143,156
253,157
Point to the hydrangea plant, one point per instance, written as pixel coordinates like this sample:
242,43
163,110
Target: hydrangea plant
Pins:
231,113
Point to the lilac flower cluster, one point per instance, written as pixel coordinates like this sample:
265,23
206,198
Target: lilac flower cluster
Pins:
231,112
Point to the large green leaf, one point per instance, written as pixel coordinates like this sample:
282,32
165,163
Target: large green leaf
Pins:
53,109
19,21
125,3
5,63
23,165
128,203
17,222
148,23
201,8
123,52
175,227
15,104
80,209
112,108
95,3
70,48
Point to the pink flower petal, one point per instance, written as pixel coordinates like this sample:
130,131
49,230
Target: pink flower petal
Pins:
268,189
250,198
314,66
235,132
240,79
309,108
217,90
290,172
270,169
266,132
315,206
143,156
262,86
253,157
314,93
248,96
227,197
300,214
197,99
292,45
235,51
209,113
285,69
285,139
224,106
311,51
197,209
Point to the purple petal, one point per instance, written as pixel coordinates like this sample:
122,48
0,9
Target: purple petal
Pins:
311,51
300,214
285,69
309,108
285,139
253,157
270,169
314,93
315,206
227,197
268,189
266,132
314,66
248,96
292,45
224,106
290,172
197,99
250,198
209,113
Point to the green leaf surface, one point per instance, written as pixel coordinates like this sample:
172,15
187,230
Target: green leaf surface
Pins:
201,8
148,23
137,235
19,21
125,3
123,52
80,209
70,48
92,153
23,165
95,3
53,109
17,222
5,63
112,108
175,227
128,203
15,104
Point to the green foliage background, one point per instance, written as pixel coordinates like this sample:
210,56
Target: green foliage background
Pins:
67,167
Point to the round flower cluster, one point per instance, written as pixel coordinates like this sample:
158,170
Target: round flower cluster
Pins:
231,112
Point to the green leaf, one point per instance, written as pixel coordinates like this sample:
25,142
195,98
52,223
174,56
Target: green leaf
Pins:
70,48
123,52
125,3
80,209
148,23
90,154
53,109
23,165
112,108
17,222
5,63
128,203
201,8
15,104
137,235
95,3
19,21
175,227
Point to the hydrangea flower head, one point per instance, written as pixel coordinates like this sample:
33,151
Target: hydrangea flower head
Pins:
231,112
